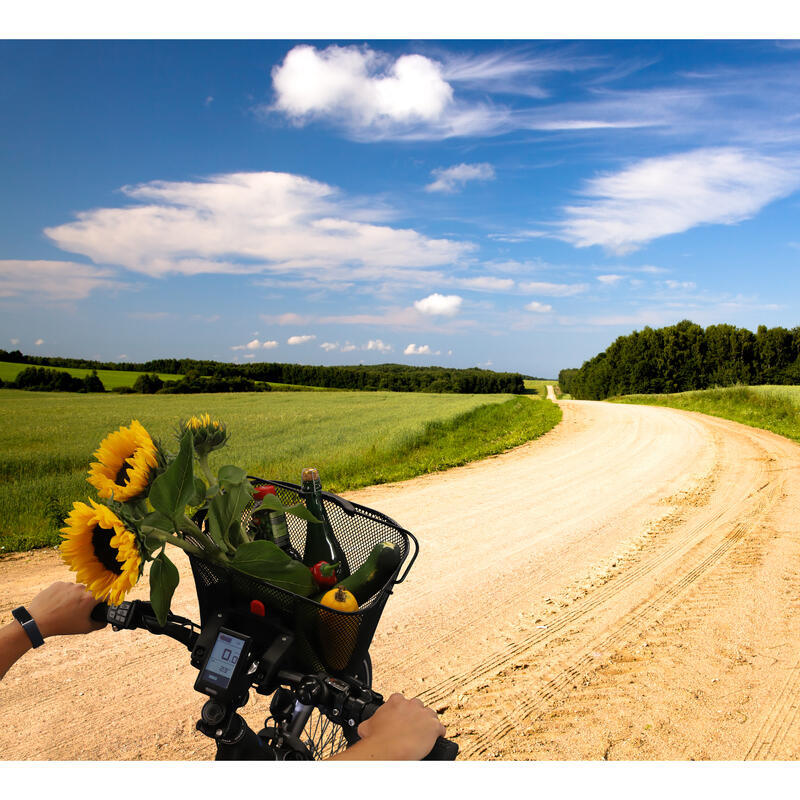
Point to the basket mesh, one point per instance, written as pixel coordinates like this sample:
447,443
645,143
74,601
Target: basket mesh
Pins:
325,639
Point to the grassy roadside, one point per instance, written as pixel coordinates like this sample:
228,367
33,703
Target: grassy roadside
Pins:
354,438
484,431
773,408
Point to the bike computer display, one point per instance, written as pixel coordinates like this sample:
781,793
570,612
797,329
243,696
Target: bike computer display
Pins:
224,665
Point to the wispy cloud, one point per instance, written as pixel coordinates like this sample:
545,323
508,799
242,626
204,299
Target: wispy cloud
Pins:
670,194
55,280
486,283
610,280
247,223
372,95
553,289
452,179
303,339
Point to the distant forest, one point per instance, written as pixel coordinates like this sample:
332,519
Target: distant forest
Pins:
376,377
685,356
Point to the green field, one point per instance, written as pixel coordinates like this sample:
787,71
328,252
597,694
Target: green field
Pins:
773,408
111,378
540,387
354,438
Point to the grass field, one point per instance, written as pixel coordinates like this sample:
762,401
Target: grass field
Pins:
111,377
774,408
540,387
354,438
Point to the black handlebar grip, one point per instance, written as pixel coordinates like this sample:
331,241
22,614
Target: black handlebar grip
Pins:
99,613
443,750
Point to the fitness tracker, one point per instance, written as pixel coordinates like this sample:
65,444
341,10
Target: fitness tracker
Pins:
29,625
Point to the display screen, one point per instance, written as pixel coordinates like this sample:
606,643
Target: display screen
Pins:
222,661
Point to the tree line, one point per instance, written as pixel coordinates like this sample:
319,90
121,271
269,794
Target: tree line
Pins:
684,357
200,375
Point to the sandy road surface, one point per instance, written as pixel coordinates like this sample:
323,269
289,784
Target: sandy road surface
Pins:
625,587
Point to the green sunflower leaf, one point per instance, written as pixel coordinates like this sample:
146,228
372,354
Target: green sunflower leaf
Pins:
199,496
164,579
267,561
271,502
173,488
155,520
231,474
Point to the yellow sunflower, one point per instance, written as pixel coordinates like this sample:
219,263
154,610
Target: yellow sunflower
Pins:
126,464
101,550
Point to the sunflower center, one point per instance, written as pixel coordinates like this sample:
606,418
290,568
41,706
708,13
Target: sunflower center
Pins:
122,475
104,552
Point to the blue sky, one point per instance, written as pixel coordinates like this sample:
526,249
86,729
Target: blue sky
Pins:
509,204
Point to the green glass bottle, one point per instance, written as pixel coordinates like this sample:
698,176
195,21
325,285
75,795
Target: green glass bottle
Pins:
321,544
280,534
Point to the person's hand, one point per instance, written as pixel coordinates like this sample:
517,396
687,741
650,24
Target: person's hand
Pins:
401,730
64,608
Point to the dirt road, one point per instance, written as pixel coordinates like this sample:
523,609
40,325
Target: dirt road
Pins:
625,587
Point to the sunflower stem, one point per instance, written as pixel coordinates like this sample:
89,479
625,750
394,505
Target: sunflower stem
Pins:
203,462
187,526
178,542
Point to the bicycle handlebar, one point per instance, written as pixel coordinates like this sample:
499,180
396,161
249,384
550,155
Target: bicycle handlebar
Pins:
443,749
322,690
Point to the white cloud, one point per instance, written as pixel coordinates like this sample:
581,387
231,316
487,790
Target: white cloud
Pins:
414,350
377,344
439,305
300,339
248,223
553,289
374,96
328,346
39,342
487,283
358,84
348,347
15,341
454,178
539,308
54,280
670,194
256,344
610,280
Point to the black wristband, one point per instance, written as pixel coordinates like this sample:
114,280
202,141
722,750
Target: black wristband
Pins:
29,625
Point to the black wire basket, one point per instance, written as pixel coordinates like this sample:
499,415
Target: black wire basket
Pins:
358,529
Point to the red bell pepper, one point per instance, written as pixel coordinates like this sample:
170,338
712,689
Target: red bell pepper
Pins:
260,492
325,574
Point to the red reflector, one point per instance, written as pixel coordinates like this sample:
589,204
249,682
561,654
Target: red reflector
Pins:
257,607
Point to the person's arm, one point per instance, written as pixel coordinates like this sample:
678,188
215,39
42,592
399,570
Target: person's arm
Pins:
14,643
400,730
59,610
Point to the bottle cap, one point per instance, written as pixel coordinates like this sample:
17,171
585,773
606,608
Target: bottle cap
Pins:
310,474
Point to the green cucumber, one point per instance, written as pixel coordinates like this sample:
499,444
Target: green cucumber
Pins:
372,575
